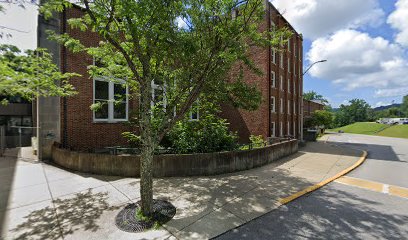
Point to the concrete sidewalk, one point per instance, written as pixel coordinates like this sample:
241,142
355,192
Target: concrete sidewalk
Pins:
40,201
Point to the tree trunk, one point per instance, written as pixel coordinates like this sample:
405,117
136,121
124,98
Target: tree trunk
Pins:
147,151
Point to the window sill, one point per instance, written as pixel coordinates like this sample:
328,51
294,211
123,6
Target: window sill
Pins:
110,121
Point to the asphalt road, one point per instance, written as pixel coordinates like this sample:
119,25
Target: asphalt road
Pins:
342,211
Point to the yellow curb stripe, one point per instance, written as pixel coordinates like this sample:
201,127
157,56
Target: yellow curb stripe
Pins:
361,183
398,191
325,182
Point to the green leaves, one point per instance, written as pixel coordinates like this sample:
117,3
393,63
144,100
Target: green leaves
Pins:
141,42
31,74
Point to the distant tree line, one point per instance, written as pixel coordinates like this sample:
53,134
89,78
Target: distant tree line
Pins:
357,110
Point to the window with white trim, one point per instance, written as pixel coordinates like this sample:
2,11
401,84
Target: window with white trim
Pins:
294,107
158,95
273,79
112,97
273,55
294,128
273,104
273,129
273,50
294,88
195,113
294,67
289,45
289,85
288,128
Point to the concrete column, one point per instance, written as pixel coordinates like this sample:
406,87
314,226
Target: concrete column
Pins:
48,113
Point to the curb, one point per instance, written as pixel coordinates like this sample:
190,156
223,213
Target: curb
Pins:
325,182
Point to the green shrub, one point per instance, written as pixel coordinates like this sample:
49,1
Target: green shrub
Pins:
257,141
209,134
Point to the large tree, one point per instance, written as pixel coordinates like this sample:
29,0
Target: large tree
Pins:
182,50
312,95
357,110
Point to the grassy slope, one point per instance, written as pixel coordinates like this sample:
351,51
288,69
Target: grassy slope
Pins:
368,128
400,131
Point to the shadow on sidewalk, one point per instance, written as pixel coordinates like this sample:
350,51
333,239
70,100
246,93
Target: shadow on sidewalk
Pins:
7,172
68,216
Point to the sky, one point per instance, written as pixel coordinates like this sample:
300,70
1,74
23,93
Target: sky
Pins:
365,43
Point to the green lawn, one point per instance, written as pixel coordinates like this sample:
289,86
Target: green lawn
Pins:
400,131
370,128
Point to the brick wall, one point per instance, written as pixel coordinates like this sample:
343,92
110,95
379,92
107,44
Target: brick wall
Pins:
310,106
82,132
265,121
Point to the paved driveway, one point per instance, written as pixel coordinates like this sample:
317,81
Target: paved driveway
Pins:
369,203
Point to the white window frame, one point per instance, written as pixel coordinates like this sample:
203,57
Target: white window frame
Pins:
273,79
111,98
273,132
288,85
288,128
273,55
191,112
281,105
281,60
294,107
289,49
154,87
273,104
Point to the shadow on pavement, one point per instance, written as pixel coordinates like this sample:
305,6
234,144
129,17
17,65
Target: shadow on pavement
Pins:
7,172
329,213
69,215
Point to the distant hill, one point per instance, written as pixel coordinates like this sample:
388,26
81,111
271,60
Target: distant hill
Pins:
387,107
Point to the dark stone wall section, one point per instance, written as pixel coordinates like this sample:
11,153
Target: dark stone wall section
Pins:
172,165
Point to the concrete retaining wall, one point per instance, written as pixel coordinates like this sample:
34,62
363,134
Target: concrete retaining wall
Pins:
172,165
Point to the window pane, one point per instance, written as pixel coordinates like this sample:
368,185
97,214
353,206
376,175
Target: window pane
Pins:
101,90
119,92
119,110
158,95
102,112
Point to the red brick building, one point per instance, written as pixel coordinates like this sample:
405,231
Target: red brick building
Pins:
280,113
310,106
80,128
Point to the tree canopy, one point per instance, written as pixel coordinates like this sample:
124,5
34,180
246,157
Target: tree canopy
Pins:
312,95
182,49
31,74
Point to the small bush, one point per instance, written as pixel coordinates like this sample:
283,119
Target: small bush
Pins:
257,141
209,134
